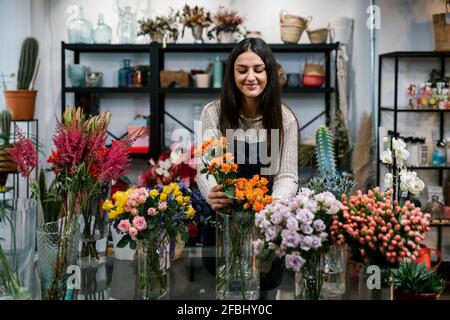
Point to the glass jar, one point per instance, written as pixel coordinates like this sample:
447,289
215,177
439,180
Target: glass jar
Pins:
435,208
153,260
237,275
439,154
123,73
102,32
309,280
138,80
334,268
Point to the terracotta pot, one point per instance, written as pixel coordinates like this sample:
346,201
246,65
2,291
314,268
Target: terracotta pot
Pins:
21,103
414,296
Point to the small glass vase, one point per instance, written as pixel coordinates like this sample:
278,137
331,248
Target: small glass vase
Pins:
153,260
197,33
335,263
57,244
309,280
375,283
237,274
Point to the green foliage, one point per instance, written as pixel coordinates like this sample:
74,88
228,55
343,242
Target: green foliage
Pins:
27,63
325,151
411,277
50,199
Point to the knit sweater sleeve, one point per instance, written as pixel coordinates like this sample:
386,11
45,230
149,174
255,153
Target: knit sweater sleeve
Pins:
209,119
285,183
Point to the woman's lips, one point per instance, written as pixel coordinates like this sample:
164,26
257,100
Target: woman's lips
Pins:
251,86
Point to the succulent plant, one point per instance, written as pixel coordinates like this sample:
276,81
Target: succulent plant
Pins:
325,151
27,63
412,277
336,184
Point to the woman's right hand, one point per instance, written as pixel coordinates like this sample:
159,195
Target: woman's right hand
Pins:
218,199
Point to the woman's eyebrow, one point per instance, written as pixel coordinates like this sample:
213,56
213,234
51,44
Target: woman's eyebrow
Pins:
245,66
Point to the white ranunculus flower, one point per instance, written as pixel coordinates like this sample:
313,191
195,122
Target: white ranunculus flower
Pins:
386,156
389,180
398,144
320,198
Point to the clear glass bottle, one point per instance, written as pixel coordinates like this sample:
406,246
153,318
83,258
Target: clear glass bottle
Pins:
127,26
102,32
123,73
79,29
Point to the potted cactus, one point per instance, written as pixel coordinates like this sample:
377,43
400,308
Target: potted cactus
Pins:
21,102
6,162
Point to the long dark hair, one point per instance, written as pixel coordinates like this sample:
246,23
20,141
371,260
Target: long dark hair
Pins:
270,98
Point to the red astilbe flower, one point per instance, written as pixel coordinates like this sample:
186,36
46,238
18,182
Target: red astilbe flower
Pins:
70,149
24,154
111,163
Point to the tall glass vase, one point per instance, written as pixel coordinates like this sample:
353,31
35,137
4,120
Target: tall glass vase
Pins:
152,281
94,226
17,244
375,283
57,244
309,280
335,262
237,274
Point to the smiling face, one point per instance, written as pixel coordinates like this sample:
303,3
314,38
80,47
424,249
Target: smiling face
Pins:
250,74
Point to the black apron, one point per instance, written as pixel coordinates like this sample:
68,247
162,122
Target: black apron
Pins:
247,156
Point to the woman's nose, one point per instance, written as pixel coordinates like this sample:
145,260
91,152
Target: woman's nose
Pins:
251,75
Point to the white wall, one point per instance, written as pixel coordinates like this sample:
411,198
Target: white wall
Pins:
49,18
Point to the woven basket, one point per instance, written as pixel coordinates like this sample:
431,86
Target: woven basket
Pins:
292,27
178,79
318,36
314,69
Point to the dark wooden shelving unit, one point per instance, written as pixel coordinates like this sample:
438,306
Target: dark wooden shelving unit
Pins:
396,109
157,96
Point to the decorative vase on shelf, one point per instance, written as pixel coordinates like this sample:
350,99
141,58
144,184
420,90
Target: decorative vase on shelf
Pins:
78,28
226,37
157,36
102,32
237,274
197,33
127,26
153,261
309,280
375,283
123,73
57,251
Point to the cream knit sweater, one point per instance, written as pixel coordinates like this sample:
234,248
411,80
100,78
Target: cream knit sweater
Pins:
285,183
